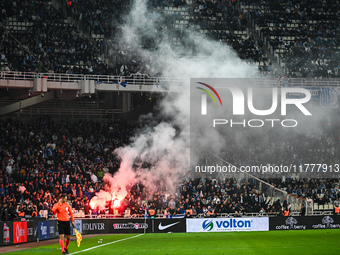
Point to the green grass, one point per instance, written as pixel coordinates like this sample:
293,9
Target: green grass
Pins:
273,242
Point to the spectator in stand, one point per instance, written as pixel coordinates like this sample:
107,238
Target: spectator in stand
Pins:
2,191
100,174
172,204
94,178
303,210
22,188
7,212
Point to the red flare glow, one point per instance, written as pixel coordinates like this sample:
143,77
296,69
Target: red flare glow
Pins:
116,203
92,204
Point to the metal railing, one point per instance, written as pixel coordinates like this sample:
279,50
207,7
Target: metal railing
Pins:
137,79
201,215
80,214
71,113
145,79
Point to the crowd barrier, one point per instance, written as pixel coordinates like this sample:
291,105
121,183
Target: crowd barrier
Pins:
14,232
228,224
124,226
32,230
304,222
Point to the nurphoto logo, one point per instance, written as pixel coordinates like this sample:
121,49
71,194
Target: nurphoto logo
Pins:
243,101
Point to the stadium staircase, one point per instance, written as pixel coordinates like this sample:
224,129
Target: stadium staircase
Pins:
251,28
182,18
60,4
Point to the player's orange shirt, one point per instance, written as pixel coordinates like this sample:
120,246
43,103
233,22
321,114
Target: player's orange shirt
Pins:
62,211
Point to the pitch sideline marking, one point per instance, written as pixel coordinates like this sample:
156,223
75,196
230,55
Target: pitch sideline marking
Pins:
88,249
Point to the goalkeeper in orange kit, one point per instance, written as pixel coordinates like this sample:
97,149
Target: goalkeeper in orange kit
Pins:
63,209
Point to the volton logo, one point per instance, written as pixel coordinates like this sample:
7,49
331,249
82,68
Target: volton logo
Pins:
208,225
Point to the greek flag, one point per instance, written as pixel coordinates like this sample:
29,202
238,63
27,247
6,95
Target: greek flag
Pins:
329,98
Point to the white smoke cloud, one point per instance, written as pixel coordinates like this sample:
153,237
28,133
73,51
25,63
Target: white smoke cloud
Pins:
166,144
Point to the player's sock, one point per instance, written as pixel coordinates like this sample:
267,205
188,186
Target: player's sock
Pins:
66,243
61,245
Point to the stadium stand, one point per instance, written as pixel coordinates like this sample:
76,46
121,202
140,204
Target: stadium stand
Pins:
301,35
26,46
42,159
82,41
220,21
82,36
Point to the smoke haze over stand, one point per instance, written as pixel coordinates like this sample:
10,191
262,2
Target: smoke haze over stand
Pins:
165,144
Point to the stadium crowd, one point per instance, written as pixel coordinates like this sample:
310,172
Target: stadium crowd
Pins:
308,46
42,159
97,16
33,49
302,32
225,23
86,35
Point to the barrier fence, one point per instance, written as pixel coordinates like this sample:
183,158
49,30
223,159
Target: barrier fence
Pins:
227,224
32,230
14,232
302,223
167,83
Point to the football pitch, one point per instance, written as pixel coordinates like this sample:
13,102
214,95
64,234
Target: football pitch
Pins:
273,242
